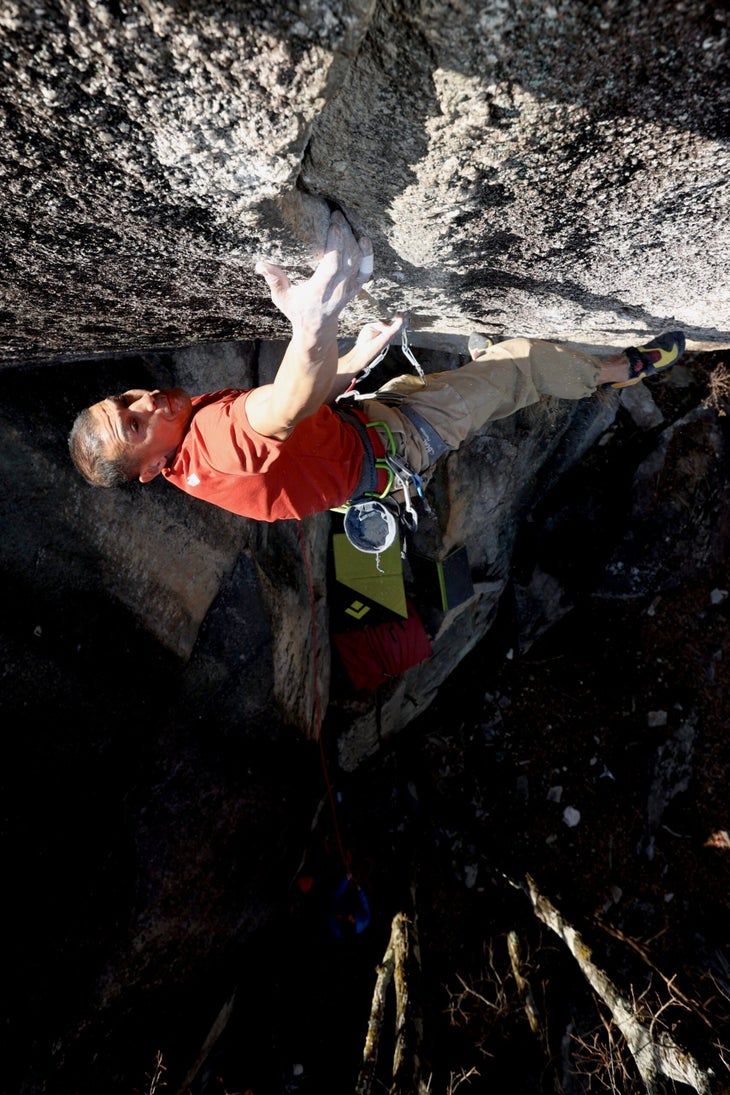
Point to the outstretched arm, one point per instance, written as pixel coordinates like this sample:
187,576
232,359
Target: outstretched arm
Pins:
309,367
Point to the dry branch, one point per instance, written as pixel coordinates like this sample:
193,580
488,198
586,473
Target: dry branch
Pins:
524,988
655,1052
375,1022
692,1005
401,965
408,1024
214,1034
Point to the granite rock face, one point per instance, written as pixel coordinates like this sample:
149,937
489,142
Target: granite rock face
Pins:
541,169
538,169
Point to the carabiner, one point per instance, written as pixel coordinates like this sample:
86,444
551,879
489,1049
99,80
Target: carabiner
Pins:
410,355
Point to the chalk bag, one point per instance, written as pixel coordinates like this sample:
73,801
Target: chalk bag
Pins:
370,526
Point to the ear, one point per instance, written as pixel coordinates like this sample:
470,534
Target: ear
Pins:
152,470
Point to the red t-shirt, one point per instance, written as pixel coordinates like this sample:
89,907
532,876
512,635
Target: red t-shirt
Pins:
224,461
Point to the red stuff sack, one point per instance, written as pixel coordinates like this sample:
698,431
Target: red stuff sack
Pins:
374,655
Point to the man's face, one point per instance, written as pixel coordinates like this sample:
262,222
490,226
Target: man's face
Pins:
147,426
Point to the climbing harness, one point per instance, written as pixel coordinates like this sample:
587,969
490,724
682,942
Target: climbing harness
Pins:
382,463
370,522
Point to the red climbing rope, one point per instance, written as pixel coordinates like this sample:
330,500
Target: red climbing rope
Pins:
317,708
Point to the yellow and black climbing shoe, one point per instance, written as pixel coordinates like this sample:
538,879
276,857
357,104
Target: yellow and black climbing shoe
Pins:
659,354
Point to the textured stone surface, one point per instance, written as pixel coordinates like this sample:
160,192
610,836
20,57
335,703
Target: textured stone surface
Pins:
539,169
150,152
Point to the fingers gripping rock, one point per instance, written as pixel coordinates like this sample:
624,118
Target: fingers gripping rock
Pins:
345,266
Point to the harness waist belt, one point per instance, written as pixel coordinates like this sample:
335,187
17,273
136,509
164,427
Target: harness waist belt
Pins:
433,442
372,478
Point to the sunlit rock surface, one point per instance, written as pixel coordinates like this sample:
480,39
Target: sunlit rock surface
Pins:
544,169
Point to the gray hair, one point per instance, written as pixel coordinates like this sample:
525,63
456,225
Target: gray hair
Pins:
90,458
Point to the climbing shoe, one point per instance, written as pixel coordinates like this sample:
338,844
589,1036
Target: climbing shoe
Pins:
477,343
659,354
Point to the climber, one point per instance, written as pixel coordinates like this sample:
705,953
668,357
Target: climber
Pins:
292,448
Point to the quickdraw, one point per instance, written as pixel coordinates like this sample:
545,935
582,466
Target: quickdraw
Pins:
351,393
411,356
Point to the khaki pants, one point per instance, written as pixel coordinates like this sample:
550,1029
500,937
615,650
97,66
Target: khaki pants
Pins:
505,379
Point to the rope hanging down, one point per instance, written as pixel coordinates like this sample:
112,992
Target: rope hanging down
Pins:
349,911
344,856
349,889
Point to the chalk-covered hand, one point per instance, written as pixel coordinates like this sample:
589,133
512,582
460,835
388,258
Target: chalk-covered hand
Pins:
375,336
347,263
